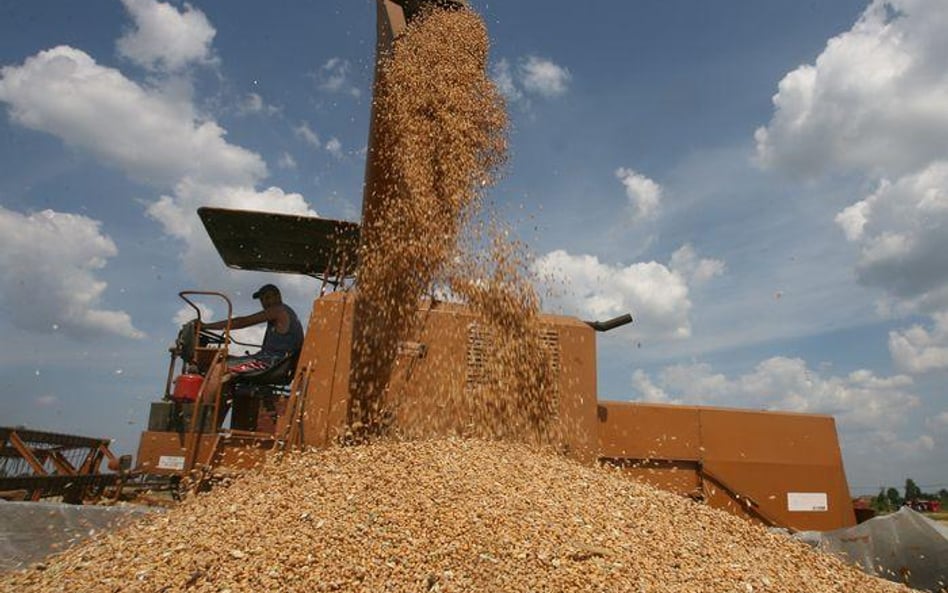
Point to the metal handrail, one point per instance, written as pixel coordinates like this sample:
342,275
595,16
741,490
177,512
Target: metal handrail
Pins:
197,310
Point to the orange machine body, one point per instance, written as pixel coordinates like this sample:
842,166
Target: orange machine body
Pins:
440,364
777,468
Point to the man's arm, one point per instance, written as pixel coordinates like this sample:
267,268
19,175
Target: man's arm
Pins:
270,314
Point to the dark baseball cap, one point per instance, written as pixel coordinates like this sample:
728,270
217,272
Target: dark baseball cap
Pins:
266,288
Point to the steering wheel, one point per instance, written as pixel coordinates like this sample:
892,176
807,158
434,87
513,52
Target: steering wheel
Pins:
186,341
209,337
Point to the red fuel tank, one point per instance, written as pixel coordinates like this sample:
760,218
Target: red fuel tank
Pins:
187,387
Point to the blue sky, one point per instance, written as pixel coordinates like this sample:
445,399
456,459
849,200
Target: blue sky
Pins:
763,185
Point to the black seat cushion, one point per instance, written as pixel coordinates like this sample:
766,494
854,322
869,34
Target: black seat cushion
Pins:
280,373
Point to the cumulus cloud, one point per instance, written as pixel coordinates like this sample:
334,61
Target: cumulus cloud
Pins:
165,38
175,212
335,77
154,137
532,76
48,266
544,77
645,196
696,271
875,100
656,295
64,92
503,76
861,401
918,350
900,232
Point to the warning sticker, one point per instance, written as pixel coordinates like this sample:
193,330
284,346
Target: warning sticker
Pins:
170,462
807,502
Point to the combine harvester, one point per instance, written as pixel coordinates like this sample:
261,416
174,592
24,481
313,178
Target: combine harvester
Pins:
778,469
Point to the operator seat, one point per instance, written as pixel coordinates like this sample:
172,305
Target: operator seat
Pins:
260,396
279,374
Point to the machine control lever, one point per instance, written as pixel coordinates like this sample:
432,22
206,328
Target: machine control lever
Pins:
604,326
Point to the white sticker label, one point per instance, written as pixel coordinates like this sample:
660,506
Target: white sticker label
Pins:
807,501
169,462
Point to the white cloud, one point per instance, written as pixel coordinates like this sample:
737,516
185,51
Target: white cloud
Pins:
286,161
876,99
253,103
656,295
186,313
917,350
876,102
164,38
645,196
334,147
307,135
532,76
695,270
151,137
48,265
861,401
250,337
900,231
335,77
503,77
176,214
648,391
543,77
939,422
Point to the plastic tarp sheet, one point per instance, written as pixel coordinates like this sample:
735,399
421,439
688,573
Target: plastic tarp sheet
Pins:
31,531
906,547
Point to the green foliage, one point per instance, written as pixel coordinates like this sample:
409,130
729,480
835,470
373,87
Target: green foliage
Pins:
912,491
889,499
895,501
880,503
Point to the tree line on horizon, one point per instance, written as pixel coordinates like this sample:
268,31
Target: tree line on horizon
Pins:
890,499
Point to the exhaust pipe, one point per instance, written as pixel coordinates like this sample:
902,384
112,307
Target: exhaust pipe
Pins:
604,326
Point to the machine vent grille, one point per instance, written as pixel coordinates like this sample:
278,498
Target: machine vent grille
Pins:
481,342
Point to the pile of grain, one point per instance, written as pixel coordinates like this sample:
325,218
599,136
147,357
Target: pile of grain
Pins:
450,515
